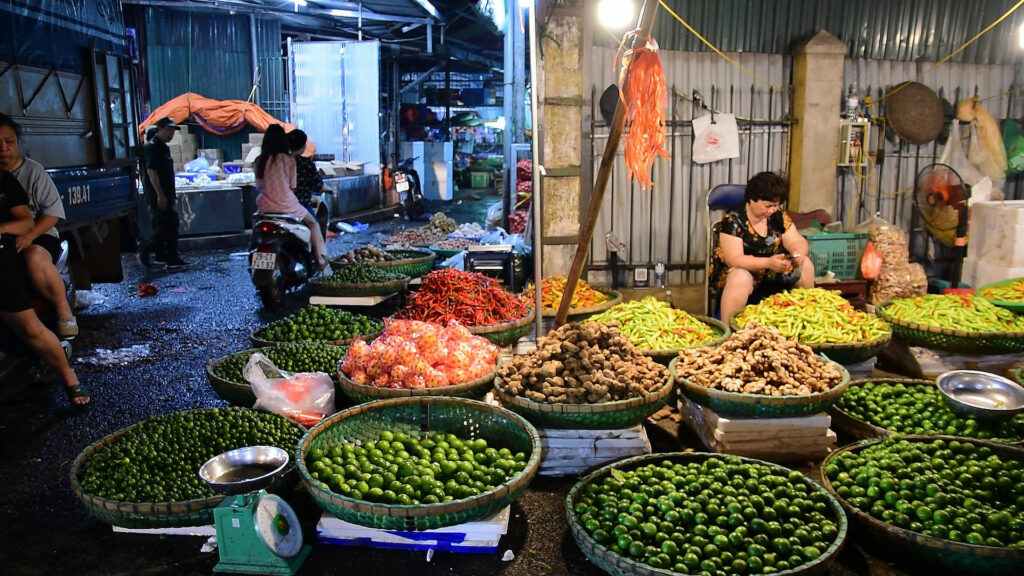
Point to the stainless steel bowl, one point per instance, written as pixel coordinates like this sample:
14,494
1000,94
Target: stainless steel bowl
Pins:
244,469
981,395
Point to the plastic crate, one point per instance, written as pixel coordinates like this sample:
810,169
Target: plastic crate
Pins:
479,179
839,253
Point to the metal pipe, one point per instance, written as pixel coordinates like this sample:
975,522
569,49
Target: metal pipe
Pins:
538,233
255,57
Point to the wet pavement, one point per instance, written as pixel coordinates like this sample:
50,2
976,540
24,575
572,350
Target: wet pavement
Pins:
142,357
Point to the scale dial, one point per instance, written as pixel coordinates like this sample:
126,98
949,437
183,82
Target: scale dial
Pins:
277,525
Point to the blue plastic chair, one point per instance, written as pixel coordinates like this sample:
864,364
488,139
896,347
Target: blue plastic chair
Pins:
720,199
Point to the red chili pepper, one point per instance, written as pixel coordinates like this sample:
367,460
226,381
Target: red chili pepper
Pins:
469,298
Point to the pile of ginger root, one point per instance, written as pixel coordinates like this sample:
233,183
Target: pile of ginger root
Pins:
759,360
582,364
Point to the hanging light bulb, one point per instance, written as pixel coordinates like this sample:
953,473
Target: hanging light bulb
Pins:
615,14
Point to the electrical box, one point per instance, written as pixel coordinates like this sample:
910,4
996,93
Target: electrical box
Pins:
853,143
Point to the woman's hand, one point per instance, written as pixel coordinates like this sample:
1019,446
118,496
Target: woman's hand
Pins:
779,263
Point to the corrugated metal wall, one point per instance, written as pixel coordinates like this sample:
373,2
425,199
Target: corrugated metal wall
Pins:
905,30
669,221
210,54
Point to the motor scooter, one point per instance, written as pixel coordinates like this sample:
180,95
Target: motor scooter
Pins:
407,184
280,256
19,364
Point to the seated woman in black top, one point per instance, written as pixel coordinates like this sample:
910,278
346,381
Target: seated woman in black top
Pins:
760,251
15,299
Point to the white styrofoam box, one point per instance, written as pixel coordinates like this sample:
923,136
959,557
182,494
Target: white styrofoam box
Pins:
861,370
978,273
207,530
575,451
995,233
729,424
932,363
481,536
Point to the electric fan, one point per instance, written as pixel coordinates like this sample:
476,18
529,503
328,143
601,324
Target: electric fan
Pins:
941,198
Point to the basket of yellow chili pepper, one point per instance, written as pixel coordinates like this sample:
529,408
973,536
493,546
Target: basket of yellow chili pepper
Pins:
1007,294
957,322
586,300
821,319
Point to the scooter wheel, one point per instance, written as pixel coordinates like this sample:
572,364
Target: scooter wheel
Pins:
269,286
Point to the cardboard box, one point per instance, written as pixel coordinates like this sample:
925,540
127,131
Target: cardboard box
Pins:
246,148
212,154
256,138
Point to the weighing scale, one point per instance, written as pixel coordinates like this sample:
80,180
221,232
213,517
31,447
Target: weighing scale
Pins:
257,532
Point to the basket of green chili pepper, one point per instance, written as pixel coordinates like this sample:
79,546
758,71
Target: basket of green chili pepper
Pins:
821,319
955,322
1007,294
661,331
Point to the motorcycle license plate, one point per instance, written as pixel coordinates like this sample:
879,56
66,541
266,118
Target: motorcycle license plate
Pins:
263,261
401,184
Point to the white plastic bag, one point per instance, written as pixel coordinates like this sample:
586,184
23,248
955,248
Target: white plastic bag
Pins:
200,164
715,137
305,397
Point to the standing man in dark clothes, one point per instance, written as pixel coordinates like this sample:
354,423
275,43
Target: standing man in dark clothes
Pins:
158,187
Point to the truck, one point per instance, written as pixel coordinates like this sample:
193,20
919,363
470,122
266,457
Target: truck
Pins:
67,75
67,71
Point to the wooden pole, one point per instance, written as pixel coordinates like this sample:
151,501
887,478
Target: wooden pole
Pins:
646,22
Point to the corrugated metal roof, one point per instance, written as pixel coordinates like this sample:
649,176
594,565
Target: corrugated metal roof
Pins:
903,30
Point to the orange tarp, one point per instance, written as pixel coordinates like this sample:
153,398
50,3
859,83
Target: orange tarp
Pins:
218,116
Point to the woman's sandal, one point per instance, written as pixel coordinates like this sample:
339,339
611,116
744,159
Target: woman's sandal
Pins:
75,392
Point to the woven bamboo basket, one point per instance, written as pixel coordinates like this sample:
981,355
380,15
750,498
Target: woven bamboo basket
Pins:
413,262
238,393
722,331
417,417
319,287
506,333
1013,306
864,430
196,512
604,416
576,314
913,549
959,341
619,565
843,353
444,253
359,393
259,342
760,405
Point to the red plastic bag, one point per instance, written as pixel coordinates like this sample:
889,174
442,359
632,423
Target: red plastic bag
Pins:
871,262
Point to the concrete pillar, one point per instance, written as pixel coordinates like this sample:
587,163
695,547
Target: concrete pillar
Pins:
817,95
560,102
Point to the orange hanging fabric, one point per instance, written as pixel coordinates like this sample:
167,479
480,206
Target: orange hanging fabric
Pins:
643,93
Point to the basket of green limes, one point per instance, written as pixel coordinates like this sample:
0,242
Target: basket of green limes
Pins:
418,463
144,476
690,513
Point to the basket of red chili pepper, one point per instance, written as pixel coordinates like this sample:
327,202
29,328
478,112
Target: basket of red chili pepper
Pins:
471,299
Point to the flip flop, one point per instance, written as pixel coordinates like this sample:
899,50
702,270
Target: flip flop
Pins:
75,392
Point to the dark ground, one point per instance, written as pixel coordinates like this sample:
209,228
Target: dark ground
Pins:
205,312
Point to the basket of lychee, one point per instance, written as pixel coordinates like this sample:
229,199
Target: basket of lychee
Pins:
414,358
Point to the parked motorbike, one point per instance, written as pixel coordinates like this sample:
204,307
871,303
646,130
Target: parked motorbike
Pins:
19,364
407,184
280,256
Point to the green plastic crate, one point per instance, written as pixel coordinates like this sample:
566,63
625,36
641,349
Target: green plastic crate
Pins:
839,252
479,179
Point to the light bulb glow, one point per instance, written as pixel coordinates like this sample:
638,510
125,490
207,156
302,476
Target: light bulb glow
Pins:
615,14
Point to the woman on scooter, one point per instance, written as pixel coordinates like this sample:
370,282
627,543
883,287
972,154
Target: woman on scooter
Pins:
275,179
40,246
15,299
